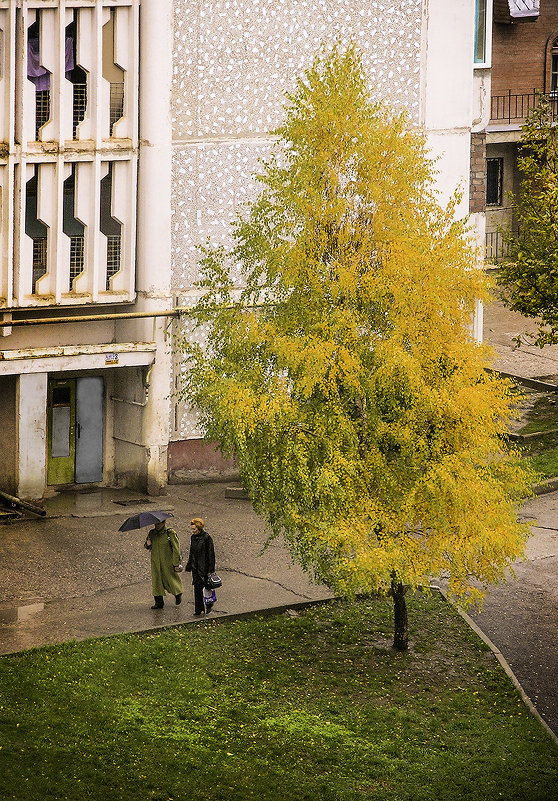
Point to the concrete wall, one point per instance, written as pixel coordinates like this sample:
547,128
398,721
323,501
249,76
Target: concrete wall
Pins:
194,459
31,402
8,448
233,60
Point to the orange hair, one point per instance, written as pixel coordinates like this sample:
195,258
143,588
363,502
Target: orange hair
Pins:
197,522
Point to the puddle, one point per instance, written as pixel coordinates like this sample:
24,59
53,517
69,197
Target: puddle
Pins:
19,614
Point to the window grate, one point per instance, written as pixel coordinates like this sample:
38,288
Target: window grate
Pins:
113,256
42,110
80,105
116,103
39,260
77,257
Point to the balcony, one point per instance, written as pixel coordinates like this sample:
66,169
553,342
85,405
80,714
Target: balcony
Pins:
512,109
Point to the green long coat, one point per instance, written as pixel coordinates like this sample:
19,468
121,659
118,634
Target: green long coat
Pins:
163,559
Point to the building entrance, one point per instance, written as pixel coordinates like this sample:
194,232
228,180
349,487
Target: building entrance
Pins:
75,430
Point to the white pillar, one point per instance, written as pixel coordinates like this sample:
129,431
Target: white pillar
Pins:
31,434
153,273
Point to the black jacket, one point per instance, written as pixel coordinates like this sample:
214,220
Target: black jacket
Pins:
201,560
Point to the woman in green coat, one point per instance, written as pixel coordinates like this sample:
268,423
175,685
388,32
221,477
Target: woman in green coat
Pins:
165,557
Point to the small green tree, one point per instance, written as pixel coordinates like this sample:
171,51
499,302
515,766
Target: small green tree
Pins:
529,276
343,377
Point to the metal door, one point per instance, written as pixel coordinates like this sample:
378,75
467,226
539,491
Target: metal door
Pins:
89,429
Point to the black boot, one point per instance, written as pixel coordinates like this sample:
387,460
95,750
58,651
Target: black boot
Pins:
159,603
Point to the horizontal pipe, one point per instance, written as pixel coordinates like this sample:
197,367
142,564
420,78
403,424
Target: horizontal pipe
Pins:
89,318
125,400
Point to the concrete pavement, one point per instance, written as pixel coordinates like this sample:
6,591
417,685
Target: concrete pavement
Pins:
73,575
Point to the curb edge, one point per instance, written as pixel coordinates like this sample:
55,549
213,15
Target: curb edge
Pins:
501,659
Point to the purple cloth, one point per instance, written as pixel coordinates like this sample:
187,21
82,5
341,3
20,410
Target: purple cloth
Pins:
36,72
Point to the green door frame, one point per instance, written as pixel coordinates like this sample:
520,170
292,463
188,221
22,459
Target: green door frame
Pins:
61,431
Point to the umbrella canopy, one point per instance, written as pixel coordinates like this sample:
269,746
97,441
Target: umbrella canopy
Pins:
144,519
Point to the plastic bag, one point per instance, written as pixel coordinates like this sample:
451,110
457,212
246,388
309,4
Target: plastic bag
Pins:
209,596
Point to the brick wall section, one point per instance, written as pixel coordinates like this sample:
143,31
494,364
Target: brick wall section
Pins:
477,188
501,12
519,52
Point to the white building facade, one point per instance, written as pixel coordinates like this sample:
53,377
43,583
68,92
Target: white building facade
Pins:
80,378
233,60
130,133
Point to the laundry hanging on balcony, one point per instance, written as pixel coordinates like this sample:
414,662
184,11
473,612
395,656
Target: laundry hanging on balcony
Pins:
35,70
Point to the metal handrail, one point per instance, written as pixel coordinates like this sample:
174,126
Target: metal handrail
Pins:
514,108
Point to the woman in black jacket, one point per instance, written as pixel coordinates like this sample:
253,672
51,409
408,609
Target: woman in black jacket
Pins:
201,562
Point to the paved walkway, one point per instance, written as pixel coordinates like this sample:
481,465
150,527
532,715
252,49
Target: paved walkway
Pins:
72,575
75,575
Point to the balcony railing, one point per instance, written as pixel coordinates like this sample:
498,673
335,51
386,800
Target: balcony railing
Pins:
513,109
113,257
42,110
77,257
116,104
39,260
497,246
80,105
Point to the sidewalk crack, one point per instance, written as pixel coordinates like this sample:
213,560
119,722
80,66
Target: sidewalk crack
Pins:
269,580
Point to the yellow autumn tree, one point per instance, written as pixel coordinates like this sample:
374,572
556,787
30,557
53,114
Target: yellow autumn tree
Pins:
343,376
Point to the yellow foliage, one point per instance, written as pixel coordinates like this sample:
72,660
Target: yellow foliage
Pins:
345,380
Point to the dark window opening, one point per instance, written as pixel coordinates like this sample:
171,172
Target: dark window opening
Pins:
110,227
38,75
61,396
494,181
76,75
113,73
73,228
36,230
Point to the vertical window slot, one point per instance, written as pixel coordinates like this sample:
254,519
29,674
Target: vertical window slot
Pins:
36,230
113,74
111,228
73,228
38,75
77,77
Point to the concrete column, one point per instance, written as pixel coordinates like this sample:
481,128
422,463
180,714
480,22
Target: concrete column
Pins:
153,273
31,411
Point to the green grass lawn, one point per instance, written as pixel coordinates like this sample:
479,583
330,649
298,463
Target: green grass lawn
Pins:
316,707
545,463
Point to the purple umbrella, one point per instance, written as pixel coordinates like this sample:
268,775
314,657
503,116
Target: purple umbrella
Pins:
144,519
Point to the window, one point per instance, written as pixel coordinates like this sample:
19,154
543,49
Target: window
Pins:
73,228
554,66
494,181
110,227
483,37
69,78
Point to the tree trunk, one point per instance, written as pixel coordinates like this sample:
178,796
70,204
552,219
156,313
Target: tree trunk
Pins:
400,626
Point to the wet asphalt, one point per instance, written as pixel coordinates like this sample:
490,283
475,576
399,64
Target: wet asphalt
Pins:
73,575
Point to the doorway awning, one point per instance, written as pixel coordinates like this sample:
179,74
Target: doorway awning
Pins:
60,358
